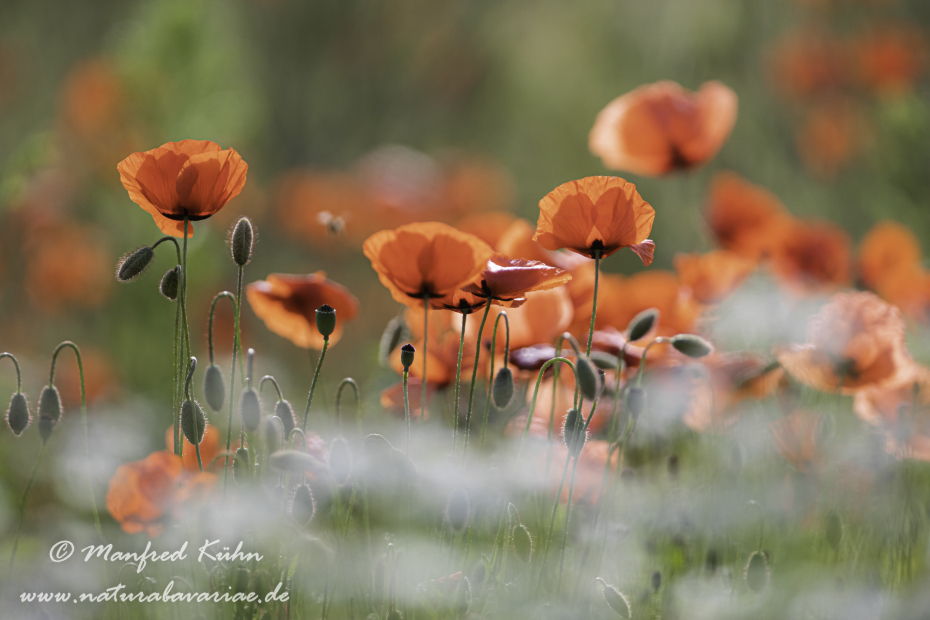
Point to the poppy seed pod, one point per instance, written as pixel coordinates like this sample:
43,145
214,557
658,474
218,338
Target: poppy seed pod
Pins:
573,432
214,389
691,345
394,332
340,461
134,264
240,243
458,510
168,286
17,416
241,466
250,409
756,573
193,421
407,353
285,412
636,401
616,601
503,388
642,324
273,432
303,506
326,320
522,543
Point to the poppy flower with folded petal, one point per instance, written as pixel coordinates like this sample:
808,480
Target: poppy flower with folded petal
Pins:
506,281
712,276
596,216
662,127
190,179
745,218
287,304
425,260
855,341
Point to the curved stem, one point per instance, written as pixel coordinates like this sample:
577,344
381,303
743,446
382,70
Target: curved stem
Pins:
192,366
529,417
458,382
22,510
316,375
219,296
274,382
51,380
425,344
406,413
487,405
232,378
19,378
474,374
347,381
597,273
642,360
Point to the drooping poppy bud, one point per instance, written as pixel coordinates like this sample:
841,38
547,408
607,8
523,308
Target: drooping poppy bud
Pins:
458,510
273,434
285,412
522,543
241,471
407,353
616,600
193,421
588,381
17,416
49,411
214,389
240,242
604,360
642,324
304,506
340,461
503,388
169,284
250,409
573,432
134,264
326,320
691,345
756,573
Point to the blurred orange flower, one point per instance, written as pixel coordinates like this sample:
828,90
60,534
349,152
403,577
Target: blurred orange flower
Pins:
392,398
517,241
191,178
100,378
799,439
855,341
888,248
287,304
890,58
92,98
443,349
144,494
902,411
808,61
488,226
659,128
590,473
425,259
542,319
744,217
622,298
833,134
709,278
596,215
209,448
813,256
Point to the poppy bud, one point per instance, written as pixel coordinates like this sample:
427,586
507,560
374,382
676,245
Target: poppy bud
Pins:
241,466
168,286
294,461
214,389
340,461
573,432
242,579
757,572
834,530
642,324
274,431
691,345
636,401
326,320
604,360
303,506
522,543
394,332
250,409
241,242
503,388
480,572
17,416
458,510
46,426
588,381
407,353
49,411
193,421
656,580
616,600
285,412
134,264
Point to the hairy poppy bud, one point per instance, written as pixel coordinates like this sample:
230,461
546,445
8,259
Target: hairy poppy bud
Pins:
274,431
134,264
168,286
522,543
588,381
303,506
394,332
616,600
604,360
285,412
458,510
241,466
573,432
691,345
242,579
756,573
642,324
407,353
214,389
49,411
326,320
636,401
250,409
241,242
17,416
503,388
833,531
340,461
193,421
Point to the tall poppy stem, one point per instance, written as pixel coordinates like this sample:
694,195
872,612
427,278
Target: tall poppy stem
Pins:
178,438
487,405
474,375
316,375
22,510
597,273
232,379
425,343
458,380
406,413
176,397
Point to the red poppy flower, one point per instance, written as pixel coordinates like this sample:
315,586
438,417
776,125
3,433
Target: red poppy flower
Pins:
711,277
596,216
745,218
812,256
506,281
190,179
659,128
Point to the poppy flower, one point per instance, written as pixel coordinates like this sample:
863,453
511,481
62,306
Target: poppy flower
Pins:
662,127
461,301
813,256
595,217
745,218
517,241
425,260
505,281
543,318
488,226
807,62
326,208
888,248
855,341
799,439
902,411
472,184
832,135
287,304
889,59
190,179
143,495
713,276
209,448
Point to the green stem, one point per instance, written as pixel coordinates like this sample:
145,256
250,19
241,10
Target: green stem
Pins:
350,382
176,397
474,374
274,382
642,360
529,417
555,509
186,332
597,273
232,379
19,378
22,509
219,296
458,379
51,380
406,413
487,405
425,343
316,375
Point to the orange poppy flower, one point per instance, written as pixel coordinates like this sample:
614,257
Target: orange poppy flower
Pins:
799,439
711,277
902,411
144,494
326,208
425,259
834,133
505,281
488,226
890,58
543,318
855,341
813,256
888,248
806,62
287,304
744,217
209,448
596,216
517,241
472,184
190,179
662,127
